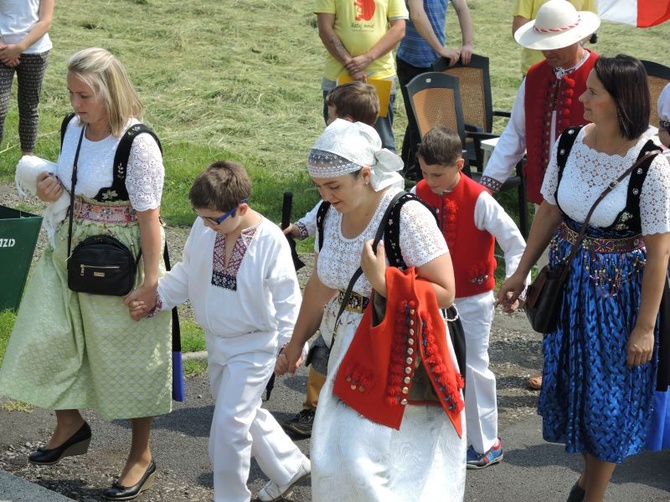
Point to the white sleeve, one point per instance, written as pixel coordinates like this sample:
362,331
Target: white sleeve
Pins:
173,286
655,198
282,282
421,240
145,173
550,181
309,220
510,147
491,217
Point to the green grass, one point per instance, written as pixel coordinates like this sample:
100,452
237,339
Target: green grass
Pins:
192,336
7,318
228,80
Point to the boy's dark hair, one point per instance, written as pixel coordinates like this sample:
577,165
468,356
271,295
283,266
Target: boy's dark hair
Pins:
356,99
221,187
440,145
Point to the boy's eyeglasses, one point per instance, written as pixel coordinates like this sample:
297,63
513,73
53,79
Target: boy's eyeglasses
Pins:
218,221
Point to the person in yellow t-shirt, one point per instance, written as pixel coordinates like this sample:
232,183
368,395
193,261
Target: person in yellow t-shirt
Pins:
359,36
525,11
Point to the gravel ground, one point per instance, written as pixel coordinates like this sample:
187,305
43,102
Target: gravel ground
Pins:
515,352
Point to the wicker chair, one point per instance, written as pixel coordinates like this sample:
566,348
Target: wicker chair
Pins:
478,114
658,76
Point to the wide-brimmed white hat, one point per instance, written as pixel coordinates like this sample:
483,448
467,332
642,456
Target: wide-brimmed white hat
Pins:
557,25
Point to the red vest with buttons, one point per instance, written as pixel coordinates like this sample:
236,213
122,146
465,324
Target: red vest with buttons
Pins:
399,355
544,94
472,250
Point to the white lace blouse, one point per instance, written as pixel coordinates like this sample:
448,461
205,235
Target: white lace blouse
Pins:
587,173
420,242
144,175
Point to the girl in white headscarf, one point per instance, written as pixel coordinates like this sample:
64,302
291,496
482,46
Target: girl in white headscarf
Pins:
355,458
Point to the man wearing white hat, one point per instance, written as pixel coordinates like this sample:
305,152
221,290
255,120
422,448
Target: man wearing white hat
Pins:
547,100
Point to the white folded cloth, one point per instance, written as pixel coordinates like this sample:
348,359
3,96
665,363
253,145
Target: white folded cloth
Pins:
27,170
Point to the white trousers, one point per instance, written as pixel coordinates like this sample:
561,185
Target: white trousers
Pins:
239,369
481,407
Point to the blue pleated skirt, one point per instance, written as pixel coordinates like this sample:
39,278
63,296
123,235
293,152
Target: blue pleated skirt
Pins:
590,400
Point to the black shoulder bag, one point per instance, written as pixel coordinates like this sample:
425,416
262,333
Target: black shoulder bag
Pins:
545,294
100,264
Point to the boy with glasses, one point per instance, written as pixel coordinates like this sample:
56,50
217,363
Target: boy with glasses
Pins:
238,274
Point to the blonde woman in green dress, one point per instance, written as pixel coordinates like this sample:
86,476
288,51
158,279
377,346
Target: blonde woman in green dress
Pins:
70,351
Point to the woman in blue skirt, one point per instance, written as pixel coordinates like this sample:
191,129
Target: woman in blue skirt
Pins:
601,362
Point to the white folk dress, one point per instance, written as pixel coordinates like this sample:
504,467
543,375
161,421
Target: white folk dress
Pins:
354,459
75,350
248,309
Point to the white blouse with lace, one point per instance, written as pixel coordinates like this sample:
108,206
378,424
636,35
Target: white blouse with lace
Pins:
420,242
356,459
588,172
144,174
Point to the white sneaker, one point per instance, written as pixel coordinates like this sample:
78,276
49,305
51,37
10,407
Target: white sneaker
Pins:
272,492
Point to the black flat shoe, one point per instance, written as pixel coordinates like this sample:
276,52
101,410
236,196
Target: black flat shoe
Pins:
577,494
76,445
120,492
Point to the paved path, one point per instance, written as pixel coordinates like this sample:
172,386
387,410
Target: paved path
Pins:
532,470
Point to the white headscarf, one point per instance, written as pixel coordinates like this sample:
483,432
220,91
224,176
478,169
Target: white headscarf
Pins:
345,147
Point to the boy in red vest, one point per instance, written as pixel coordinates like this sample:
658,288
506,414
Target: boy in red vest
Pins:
471,221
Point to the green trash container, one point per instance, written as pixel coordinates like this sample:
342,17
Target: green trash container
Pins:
18,235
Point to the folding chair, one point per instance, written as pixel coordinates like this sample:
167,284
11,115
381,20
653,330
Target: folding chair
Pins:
658,76
436,100
478,113
475,86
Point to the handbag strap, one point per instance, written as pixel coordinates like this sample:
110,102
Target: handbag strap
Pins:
608,189
359,270
176,329
72,185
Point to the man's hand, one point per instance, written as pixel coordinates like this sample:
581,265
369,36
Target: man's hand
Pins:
466,53
358,64
451,54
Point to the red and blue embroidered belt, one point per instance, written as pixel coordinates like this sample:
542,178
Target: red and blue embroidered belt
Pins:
602,245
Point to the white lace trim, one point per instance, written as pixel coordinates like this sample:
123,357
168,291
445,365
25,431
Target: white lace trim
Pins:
144,175
420,242
587,173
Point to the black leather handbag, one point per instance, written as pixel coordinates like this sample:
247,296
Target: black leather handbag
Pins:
544,298
100,264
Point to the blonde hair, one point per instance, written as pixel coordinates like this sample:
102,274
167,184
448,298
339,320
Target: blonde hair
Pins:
108,79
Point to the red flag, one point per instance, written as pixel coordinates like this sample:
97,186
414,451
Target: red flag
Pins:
640,13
